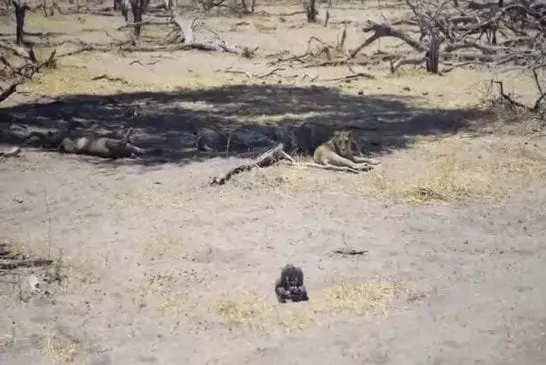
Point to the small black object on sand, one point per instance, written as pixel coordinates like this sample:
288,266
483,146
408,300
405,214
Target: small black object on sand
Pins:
290,285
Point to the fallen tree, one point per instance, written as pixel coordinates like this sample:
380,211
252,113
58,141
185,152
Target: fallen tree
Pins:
183,33
446,33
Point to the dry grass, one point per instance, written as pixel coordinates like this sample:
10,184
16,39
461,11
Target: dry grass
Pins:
53,83
459,168
159,292
247,309
454,168
161,245
369,300
60,348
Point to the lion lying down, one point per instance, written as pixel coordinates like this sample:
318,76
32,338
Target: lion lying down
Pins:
103,146
336,154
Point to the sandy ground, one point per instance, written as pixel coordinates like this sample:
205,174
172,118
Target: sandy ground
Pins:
154,266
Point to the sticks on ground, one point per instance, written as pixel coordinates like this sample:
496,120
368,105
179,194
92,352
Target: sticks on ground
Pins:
349,252
11,261
268,158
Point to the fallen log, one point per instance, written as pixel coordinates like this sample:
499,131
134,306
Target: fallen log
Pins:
266,159
12,152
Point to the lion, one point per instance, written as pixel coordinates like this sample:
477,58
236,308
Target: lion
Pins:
337,154
102,146
50,140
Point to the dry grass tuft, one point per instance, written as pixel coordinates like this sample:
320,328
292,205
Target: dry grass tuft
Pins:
161,245
457,168
246,310
161,292
444,180
60,348
369,300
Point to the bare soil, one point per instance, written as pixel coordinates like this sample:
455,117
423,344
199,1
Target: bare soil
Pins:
154,266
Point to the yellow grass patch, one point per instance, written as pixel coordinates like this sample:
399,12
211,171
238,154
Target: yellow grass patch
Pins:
246,309
60,348
369,300
458,168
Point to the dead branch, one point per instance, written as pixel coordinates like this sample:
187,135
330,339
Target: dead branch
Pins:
471,44
4,94
329,167
351,77
19,51
342,38
349,251
252,76
20,74
106,77
385,30
14,264
268,158
139,24
135,62
185,35
418,60
536,106
12,152
513,103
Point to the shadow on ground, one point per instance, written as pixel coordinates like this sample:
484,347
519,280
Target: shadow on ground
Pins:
170,119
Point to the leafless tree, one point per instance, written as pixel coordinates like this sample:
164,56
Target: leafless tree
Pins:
20,11
310,10
138,8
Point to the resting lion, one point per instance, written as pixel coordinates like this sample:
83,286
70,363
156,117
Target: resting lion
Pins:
101,146
336,154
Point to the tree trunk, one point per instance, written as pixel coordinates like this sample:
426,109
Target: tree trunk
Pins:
432,56
170,4
252,6
125,5
138,8
310,10
20,10
137,18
